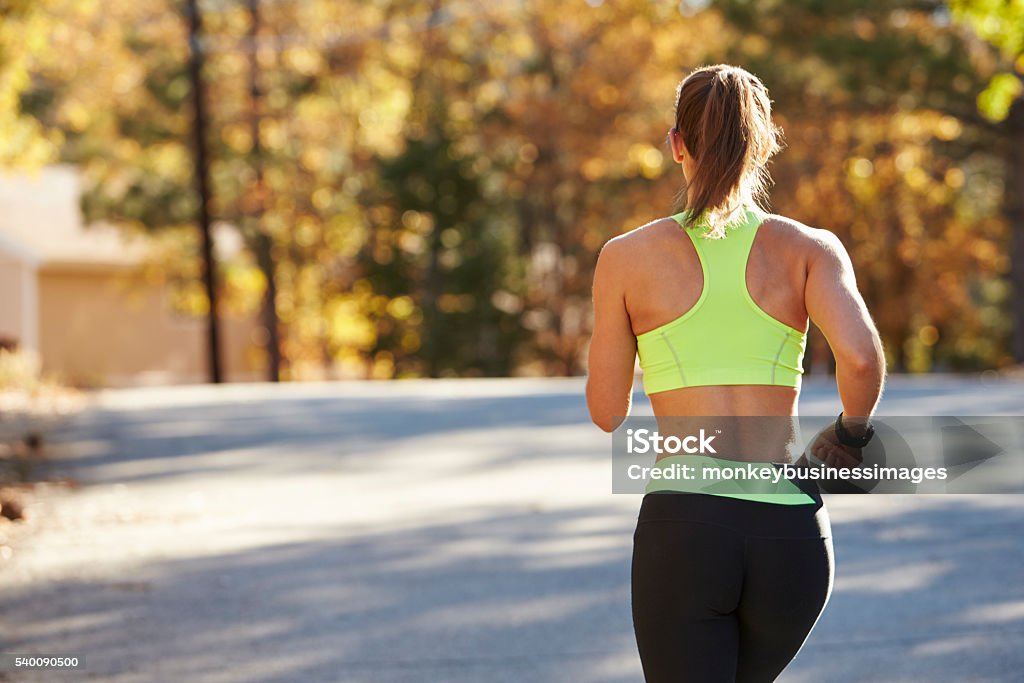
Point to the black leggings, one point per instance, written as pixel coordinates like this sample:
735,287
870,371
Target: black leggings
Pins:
726,589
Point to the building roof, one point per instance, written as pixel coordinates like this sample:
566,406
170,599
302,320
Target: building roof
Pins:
41,222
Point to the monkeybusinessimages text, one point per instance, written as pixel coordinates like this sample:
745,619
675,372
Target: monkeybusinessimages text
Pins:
646,441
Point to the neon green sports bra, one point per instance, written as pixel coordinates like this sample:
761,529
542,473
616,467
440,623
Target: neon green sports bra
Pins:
725,338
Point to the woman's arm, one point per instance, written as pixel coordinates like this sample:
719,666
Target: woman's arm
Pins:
836,307
612,355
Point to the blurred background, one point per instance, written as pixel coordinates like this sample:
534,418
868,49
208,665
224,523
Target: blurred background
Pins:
210,208
411,188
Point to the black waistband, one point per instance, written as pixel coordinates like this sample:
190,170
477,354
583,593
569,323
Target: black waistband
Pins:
746,517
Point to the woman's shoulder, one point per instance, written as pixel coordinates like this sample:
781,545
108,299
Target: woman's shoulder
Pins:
798,234
620,255
648,236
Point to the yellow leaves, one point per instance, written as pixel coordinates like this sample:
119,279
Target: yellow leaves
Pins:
984,251
605,95
540,102
461,111
411,341
651,163
75,115
860,167
922,125
127,148
806,192
489,95
908,126
521,45
304,60
928,335
897,157
756,45
594,168
383,254
916,178
411,243
273,134
380,100
314,158
401,307
383,365
243,286
864,28
24,142
907,158
645,159
451,238
995,100
348,326
190,299
126,80
401,54
353,332
322,198
420,222
954,178
307,231
507,302
345,234
232,65
170,160
237,137
948,128
528,153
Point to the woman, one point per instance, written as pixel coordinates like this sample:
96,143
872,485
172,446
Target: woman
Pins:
716,301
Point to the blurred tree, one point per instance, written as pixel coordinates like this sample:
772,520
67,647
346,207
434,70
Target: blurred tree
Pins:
885,149
1001,22
24,141
437,178
586,102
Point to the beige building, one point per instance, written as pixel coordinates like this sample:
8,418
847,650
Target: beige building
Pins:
76,295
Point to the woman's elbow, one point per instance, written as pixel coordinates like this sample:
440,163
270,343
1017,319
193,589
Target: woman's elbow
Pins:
606,419
608,406
607,423
866,361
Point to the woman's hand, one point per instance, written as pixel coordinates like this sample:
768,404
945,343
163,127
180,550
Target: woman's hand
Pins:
827,449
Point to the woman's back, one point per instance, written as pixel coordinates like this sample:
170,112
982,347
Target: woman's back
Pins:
794,273
663,296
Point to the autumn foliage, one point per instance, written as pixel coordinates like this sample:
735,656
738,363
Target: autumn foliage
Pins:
439,176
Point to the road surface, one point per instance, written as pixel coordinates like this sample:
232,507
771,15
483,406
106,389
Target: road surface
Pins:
451,532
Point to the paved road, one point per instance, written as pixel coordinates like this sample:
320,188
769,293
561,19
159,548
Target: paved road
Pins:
450,532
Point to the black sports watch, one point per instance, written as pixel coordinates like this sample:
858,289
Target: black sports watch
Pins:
848,439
